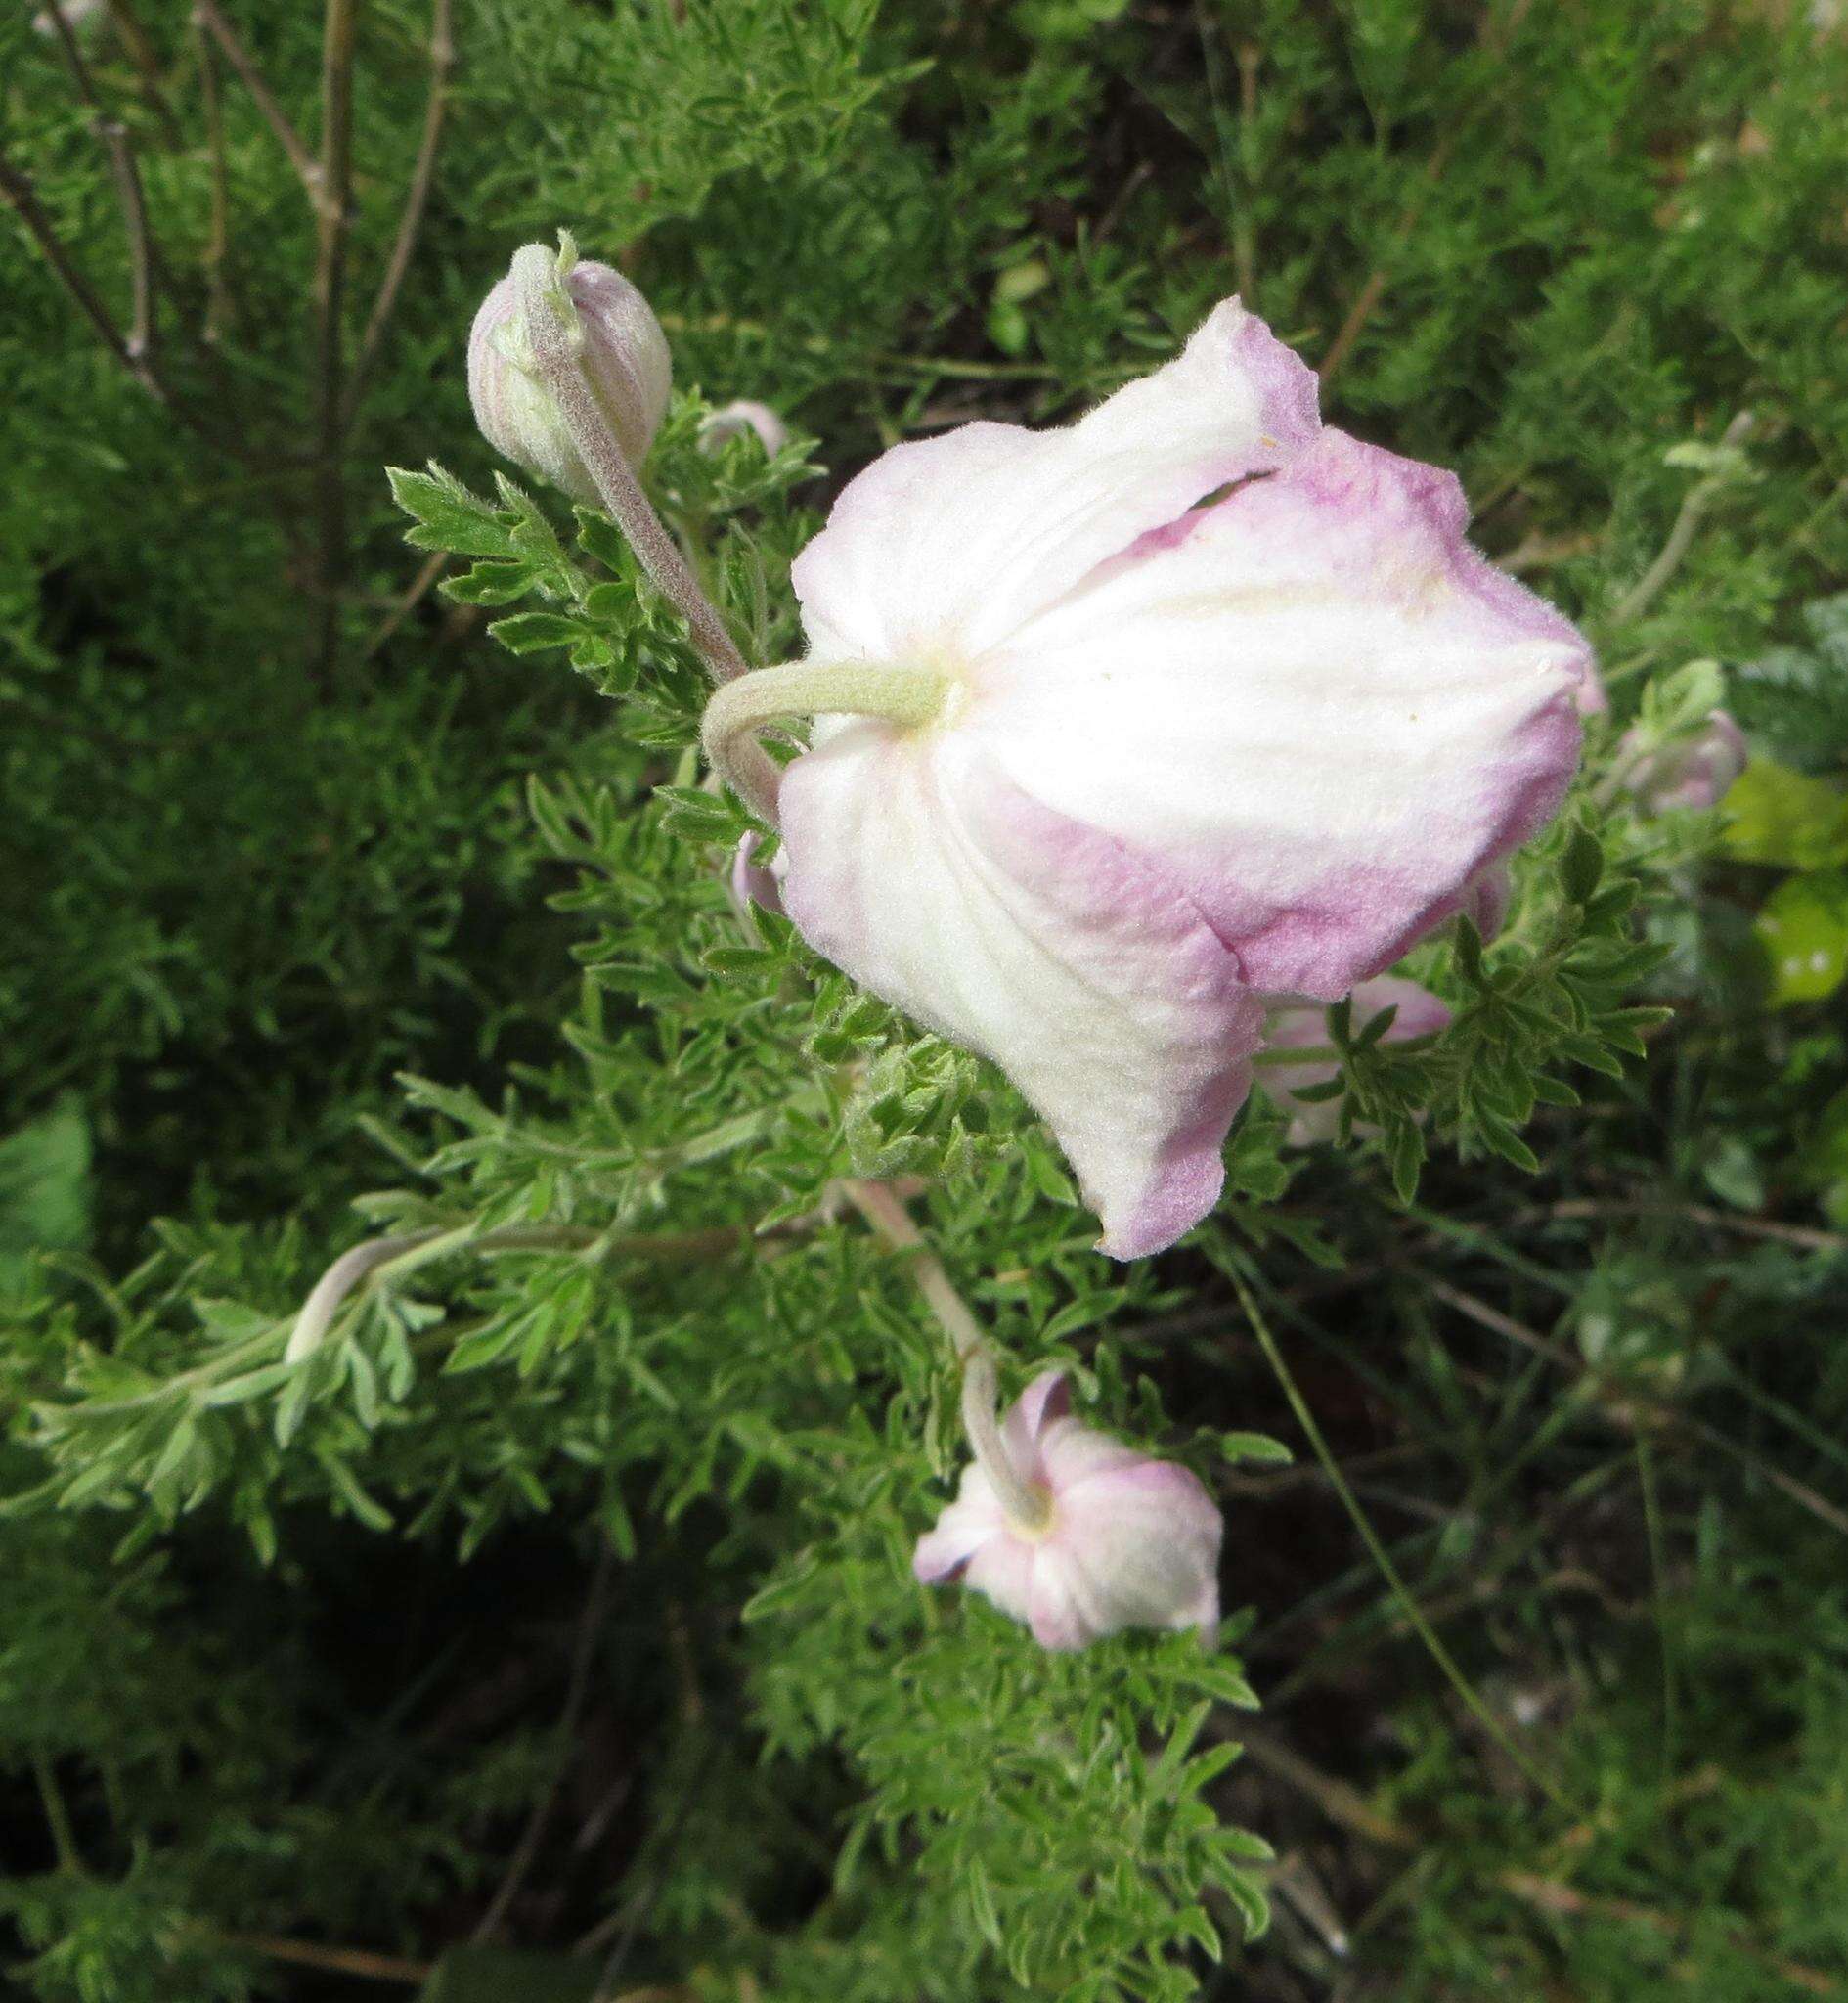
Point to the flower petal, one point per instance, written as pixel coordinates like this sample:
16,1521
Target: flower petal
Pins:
1059,953
971,1523
1318,706
1305,1026
1045,1402
1137,1546
943,546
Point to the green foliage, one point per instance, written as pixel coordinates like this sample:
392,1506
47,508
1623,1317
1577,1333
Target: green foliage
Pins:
562,1592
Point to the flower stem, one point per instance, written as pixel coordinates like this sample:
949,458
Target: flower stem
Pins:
557,340
905,696
1414,1613
892,1222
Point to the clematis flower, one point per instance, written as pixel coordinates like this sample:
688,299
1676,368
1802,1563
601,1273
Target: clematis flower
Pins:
1303,1026
1696,773
1115,1539
736,419
1126,726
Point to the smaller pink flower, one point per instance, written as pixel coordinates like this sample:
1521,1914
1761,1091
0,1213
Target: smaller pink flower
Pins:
736,419
1305,1026
1124,1541
749,881
1486,898
1694,773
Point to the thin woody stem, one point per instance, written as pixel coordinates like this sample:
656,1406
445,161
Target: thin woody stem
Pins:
140,52
556,339
218,310
290,141
332,191
417,201
892,1222
1382,1557
905,696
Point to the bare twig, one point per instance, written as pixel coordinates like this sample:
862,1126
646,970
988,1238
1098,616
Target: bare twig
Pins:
584,1653
1809,1236
218,307
431,569
251,77
1694,505
140,52
333,190
341,1961
1495,33
25,204
128,192
417,201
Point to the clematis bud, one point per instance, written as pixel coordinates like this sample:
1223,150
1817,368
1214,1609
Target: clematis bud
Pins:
1696,773
1305,1026
1128,724
1115,1539
625,360
1486,898
736,419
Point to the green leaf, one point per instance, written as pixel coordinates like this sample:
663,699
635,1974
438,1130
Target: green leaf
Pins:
447,516
1257,1447
1803,928
530,632
1582,864
1777,816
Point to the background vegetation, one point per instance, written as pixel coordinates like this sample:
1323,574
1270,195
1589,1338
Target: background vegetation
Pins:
551,1635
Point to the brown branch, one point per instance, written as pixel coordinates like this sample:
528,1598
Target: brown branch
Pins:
25,204
1495,34
333,190
218,306
417,201
343,1961
251,77
141,254
1807,1235
140,52
583,1655
431,569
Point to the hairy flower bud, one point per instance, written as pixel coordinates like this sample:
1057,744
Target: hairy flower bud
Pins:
736,419
624,359
1305,1026
1122,1541
1694,773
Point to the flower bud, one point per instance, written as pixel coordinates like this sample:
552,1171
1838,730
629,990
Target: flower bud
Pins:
736,419
1124,1540
625,360
1305,1026
1693,774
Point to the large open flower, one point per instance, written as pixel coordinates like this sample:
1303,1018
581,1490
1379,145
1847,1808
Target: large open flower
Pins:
1192,701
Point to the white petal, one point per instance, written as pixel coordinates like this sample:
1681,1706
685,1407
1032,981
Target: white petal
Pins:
943,546
1056,952
1319,708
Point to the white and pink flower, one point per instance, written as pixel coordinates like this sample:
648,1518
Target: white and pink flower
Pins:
1128,726
1303,1024
1116,1540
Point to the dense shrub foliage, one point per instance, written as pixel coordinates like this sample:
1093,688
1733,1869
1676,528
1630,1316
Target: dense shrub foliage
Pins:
550,1631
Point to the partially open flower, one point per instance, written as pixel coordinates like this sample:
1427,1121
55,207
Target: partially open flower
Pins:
1303,1024
1135,721
624,359
1119,1540
736,419
1696,773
